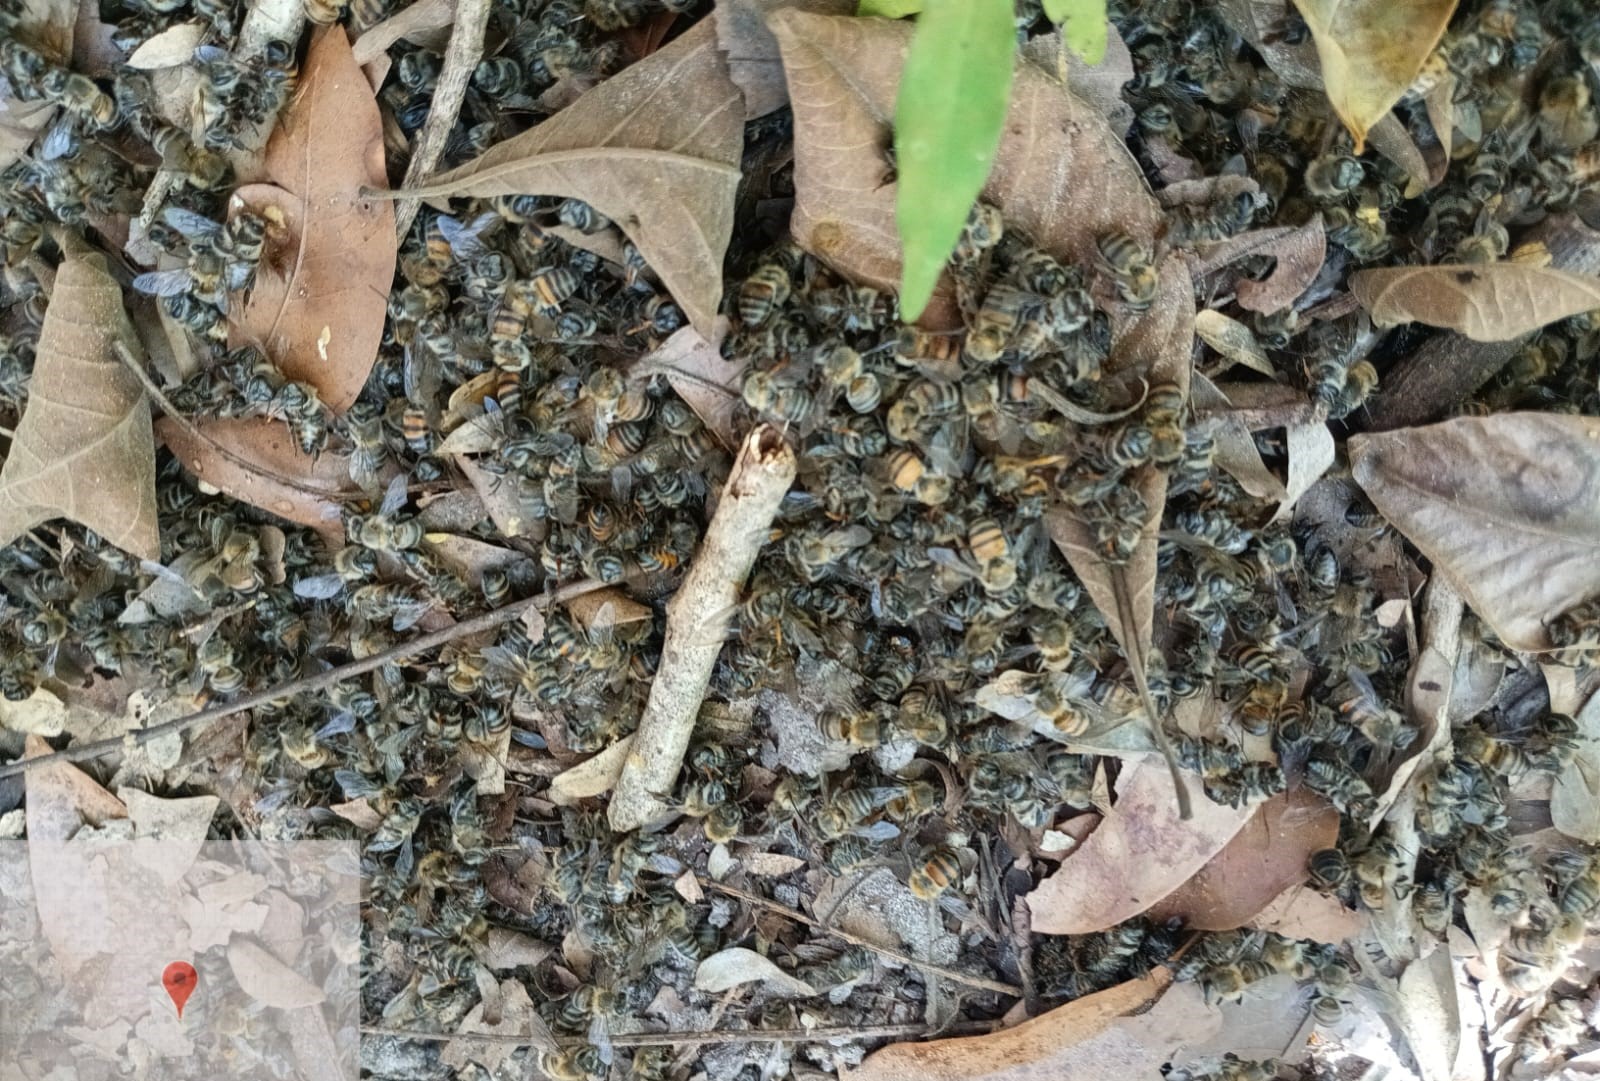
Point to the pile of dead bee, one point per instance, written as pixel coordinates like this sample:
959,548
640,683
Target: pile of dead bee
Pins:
911,562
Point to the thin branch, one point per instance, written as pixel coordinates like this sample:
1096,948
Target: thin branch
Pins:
461,58
855,940
487,621
701,1037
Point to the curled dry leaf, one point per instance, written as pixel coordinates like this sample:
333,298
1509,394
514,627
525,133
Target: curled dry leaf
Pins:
1311,452
591,777
1371,51
83,449
1061,174
1575,799
1141,853
321,294
605,608
1390,138
1492,302
1264,858
1124,1031
737,965
20,124
1233,340
1507,507
664,173
268,980
694,365
1300,253
171,48
752,51
410,22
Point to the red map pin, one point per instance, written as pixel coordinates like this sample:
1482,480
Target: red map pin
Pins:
179,979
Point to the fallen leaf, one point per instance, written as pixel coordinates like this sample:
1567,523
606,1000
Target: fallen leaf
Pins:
330,275
1302,912
1100,85
1264,858
20,124
499,496
687,886
1507,507
1487,302
61,797
358,812
1233,340
517,1018
1142,852
255,460
469,557
268,980
1083,25
83,449
1260,22
737,965
752,51
604,608
413,19
592,777
508,949
1575,799
1371,51
49,24
1300,253
665,174
39,714
1124,1031
711,385
173,47
771,864
1311,453
949,112
185,819
1061,175
93,51
1429,1015
1390,138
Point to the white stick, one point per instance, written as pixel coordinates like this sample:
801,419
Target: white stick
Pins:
697,623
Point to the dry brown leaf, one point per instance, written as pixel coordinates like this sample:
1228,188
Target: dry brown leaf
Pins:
1260,22
694,365
1233,340
1061,174
1390,138
1139,854
1507,507
1302,912
321,294
736,965
1575,799
1100,85
591,777
508,949
83,449
1126,1031
1311,452
1264,858
49,24
1300,253
752,51
61,797
666,174
413,19
20,123
500,500
1236,451
469,557
1371,51
1490,302
173,47
604,608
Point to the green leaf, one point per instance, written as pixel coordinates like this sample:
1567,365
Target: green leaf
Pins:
1083,24
889,9
949,112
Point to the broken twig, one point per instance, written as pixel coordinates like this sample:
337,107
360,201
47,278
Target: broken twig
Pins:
697,622
461,58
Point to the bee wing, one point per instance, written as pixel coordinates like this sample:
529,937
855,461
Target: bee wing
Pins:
464,237
949,557
394,497
849,537
409,615
57,142
600,1038
319,587
163,283
190,223
878,831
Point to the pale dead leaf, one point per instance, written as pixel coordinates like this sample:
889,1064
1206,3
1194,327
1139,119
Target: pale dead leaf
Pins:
664,173
268,980
508,949
173,47
1300,253
694,365
1301,912
185,819
1264,858
1100,85
1390,138
1234,341
358,812
1138,855
1507,507
737,965
1126,1031
771,864
1575,799
470,557
604,608
1429,1015
1371,51
83,449
517,1018
61,797
687,886
752,51
20,124
1488,302
335,266
1260,22
591,777
413,19
39,714
1311,453
49,24
499,496
1061,175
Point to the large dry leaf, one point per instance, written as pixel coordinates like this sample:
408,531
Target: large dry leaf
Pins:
1264,858
694,365
268,980
1492,302
1428,1013
1575,799
736,965
1507,507
1061,175
1300,253
20,123
752,51
1233,340
321,296
655,149
83,449
256,461
592,777
1141,853
1371,51
1126,1031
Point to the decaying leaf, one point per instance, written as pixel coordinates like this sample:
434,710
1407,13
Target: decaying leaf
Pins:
268,980
20,124
1506,506
1233,340
737,965
1575,800
1061,175
752,51
664,173
1428,1015
61,797
1125,1031
39,714
1139,854
171,48
1264,858
1311,452
591,777
516,1017
1300,253
321,294
1371,50
83,449
694,365
500,499
255,460
1489,302
1099,85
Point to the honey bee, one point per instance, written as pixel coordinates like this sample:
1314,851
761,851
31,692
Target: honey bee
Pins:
937,870
79,94
1124,260
1333,176
844,812
766,290
858,728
